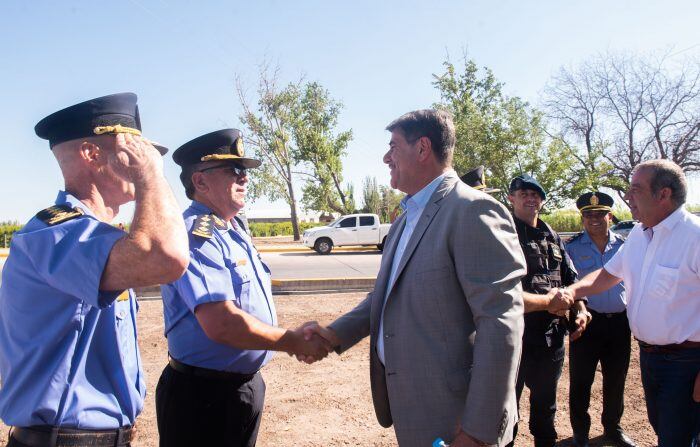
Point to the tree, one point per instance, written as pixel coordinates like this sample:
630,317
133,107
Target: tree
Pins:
315,117
291,130
505,134
371,195
270,137
618,110
390,203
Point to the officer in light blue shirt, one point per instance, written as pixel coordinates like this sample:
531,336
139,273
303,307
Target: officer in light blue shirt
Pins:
69,359
607,338
220,319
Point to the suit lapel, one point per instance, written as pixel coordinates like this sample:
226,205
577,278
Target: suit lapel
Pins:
431,209
387,259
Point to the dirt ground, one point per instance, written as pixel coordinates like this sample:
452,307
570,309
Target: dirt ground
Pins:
329,403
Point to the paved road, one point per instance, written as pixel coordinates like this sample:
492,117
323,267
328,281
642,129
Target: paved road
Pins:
302,265
298,265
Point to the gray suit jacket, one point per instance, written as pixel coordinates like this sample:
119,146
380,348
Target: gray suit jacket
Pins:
453,322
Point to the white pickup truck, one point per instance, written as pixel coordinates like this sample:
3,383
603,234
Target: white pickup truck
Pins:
353,229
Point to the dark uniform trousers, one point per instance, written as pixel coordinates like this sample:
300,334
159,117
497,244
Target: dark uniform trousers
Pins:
204,411
607,340
540,369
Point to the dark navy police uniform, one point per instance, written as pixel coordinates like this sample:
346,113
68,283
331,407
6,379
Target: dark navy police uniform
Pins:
548,266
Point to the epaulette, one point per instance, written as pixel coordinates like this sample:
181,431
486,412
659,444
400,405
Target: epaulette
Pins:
205,224
57,214
574,237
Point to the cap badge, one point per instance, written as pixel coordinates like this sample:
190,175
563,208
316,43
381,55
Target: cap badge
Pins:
238,147
594,200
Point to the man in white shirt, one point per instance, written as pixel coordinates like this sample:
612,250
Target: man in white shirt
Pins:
660,264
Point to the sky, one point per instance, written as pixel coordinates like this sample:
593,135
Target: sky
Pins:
377,57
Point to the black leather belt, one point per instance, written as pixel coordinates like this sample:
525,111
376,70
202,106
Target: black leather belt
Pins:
661,349
48,436
209,373
607,314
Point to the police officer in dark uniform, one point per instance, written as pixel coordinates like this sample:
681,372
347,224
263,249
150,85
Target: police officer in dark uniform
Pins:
69,358
607,338
548,269
476,178
220,318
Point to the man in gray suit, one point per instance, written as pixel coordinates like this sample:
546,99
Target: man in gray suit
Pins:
445,318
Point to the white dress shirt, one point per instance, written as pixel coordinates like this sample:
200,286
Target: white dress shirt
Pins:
661,270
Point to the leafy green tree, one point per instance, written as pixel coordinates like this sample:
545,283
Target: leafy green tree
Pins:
390,203
371,195
315,118
505,134
292,130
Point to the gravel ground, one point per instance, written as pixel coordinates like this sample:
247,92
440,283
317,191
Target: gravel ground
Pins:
329,403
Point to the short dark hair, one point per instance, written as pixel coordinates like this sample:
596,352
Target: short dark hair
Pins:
437,125
666,174
186,178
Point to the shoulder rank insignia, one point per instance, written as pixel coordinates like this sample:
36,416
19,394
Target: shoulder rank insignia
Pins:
202,226
205,224
219,223
57,214
574,237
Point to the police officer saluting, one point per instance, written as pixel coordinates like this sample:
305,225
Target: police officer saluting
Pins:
607,338
220,319
69,360
548,268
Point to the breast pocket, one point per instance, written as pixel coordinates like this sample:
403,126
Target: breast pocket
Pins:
664,282
240,277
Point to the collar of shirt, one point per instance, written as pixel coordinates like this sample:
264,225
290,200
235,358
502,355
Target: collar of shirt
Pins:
417,201
670,221
612,239
65,197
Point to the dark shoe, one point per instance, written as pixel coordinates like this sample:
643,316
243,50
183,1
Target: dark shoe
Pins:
620,439
579,440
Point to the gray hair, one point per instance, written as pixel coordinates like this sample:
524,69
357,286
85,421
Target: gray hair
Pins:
437,125
666,174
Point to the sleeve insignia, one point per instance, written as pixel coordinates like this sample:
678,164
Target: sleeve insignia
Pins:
57,214
203,226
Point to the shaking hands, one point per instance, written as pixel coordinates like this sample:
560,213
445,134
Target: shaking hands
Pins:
317,335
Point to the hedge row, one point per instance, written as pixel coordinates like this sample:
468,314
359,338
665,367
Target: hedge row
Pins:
260,229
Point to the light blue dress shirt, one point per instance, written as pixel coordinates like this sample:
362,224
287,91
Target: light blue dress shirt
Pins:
68,352
225,267
587,258
413,206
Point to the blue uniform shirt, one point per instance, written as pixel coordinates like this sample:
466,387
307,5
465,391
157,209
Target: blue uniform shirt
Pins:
586,257
222,267
68,352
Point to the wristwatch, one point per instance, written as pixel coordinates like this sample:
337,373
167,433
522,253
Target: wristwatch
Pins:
588,315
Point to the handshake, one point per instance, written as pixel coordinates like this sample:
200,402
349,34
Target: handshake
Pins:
559,301
311,342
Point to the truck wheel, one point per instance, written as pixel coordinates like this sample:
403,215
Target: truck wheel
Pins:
323,246
380,247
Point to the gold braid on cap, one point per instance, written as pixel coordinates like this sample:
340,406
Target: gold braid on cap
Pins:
100,130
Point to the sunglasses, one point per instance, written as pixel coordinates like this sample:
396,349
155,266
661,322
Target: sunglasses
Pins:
231,169
594,214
